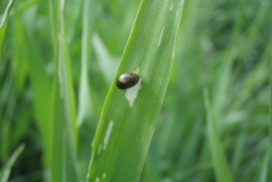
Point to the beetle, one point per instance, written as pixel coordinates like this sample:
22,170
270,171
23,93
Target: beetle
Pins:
127,80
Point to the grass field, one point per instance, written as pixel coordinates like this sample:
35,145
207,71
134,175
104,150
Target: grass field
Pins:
201,111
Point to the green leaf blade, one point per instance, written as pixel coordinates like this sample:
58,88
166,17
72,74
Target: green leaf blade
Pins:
4,24
63,163
5,172
220,165
149,53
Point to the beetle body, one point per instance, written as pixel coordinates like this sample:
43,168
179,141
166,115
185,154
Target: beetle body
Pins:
127,80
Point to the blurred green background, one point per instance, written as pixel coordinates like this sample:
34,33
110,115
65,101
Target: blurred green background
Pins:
223,45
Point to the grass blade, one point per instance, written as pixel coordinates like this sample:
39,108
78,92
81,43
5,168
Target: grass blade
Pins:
63,165
85,107
127,124
220,165
4,24
5,172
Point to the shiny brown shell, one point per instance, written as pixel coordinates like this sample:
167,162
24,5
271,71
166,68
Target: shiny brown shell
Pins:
127,80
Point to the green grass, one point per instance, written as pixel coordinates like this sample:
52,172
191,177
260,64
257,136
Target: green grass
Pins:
59,61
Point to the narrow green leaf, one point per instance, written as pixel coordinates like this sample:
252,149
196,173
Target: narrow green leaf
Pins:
220,165
5,172
4,24
129,116
63,165
85,106
85,100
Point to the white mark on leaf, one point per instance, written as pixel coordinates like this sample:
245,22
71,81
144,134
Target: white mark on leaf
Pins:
97,179
132,93
160,38
108,133
104,175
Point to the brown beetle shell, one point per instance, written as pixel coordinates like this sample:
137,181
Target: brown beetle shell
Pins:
127,80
